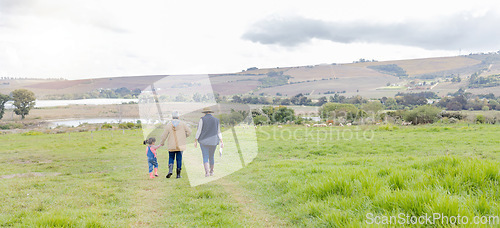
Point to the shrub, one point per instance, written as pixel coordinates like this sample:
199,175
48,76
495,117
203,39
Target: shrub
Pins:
8,126
335,110
453,120
480,119
32,133
260,120
130,125
106,126
423,114
455,115
127,125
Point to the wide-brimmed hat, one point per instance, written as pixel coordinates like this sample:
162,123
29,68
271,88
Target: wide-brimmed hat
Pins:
207,110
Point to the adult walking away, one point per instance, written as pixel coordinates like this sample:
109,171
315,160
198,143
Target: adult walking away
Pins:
176,132
209,136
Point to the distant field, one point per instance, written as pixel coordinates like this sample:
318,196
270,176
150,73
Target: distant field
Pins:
331,71
361,85
495,90
428,65
350,77
77,111
305,177
392,88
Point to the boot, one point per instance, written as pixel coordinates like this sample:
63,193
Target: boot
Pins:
156,172
151,176
170,168
206,169
211,170
178,173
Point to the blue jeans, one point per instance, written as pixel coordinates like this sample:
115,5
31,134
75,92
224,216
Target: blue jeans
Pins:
208,153
177,155
152,163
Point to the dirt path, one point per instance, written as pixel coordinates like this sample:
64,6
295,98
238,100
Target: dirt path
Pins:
256,212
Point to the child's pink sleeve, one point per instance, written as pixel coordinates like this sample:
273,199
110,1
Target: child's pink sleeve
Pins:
156,146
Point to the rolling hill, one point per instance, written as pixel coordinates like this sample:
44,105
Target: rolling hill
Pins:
368,79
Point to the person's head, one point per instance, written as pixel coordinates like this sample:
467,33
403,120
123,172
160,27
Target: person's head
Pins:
149,141
207,110
175,115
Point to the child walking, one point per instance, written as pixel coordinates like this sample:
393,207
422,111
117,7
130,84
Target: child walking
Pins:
151,153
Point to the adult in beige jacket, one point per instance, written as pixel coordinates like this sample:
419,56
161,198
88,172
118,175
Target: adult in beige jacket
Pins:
176,133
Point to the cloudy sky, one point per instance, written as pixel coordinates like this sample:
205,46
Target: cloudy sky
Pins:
88,39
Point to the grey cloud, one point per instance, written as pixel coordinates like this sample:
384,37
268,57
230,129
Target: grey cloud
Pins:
449,33
9,6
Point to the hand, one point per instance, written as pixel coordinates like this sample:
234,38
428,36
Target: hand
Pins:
221,144
195,144
163,144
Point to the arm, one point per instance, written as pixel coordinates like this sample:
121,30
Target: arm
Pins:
188,130
198,133
164,136
220,136
156,146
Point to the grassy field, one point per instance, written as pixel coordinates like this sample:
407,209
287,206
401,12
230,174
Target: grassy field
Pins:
321,177
77,111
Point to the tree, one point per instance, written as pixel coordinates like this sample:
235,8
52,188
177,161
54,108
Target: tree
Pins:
283,115
260,120
374,106
423,114
24,101
322,101
334,110
285,101
3,100
197,97
237,99
390,103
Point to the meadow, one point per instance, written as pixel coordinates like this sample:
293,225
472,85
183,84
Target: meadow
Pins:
303,177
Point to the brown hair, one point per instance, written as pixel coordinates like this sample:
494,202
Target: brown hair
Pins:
149,141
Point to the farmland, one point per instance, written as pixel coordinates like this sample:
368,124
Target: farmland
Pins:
302,176
360,78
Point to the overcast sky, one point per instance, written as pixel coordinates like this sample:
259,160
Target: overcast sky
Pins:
88,39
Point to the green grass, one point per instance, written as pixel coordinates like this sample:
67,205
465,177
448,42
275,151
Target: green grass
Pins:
313,177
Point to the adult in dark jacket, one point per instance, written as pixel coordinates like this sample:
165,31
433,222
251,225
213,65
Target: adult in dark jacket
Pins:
209,136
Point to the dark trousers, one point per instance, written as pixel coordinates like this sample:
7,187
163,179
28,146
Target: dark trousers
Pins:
177,155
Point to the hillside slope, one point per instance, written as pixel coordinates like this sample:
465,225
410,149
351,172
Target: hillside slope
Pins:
368,79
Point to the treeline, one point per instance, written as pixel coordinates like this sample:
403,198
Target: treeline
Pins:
26,78
459,100
274,78
349,114
462,100
476,81
122,92
392,69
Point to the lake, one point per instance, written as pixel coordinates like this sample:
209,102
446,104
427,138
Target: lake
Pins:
77,122
54,103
